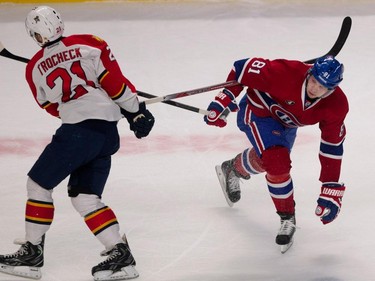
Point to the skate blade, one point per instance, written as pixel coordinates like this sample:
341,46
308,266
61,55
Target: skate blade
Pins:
22,271
220,176
128,272
285,248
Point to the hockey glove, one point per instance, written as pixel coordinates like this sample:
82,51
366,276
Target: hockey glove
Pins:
329,201
216,108
141,122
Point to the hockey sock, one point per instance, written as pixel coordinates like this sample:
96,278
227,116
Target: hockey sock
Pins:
281,191
277,163
100,219
248,163
39,212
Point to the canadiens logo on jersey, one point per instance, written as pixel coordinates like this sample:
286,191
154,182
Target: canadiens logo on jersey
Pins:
285,117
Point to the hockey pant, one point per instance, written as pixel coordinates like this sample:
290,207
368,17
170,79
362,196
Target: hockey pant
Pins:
272,143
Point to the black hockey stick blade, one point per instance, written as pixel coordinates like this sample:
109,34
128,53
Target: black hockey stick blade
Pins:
5,53
341,39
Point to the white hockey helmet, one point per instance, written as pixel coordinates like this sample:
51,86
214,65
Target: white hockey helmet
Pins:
44,24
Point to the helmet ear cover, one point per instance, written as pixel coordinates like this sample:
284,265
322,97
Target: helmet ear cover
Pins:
328,72
44,24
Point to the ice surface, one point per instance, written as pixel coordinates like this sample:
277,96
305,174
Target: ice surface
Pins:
164,188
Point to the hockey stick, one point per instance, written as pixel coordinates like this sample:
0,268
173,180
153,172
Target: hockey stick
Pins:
335,50
174,103
340,41
191,92
5,53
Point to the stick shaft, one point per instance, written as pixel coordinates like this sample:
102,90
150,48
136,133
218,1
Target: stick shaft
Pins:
192,92
174,103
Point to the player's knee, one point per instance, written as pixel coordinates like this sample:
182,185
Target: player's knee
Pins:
36,192
277,163
86,203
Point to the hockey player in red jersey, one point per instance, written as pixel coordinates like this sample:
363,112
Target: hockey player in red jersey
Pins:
282,95
78,80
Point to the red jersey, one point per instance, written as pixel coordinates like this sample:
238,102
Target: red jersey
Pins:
277,88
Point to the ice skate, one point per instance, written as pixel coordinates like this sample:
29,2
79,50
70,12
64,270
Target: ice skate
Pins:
26,262
284,237
120,265
229,181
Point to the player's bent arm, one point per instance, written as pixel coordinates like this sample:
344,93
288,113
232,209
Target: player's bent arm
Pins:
111,79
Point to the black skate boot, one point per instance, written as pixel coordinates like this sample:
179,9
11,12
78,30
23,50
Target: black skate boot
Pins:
229,180
119,265
284,237
26,262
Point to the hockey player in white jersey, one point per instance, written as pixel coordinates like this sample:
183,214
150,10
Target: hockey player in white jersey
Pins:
77,79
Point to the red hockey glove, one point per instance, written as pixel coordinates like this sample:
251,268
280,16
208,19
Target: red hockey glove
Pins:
216,108
329,202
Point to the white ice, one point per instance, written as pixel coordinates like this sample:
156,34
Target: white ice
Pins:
164,189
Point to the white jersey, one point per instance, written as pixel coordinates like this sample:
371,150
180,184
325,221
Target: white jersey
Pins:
77,78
